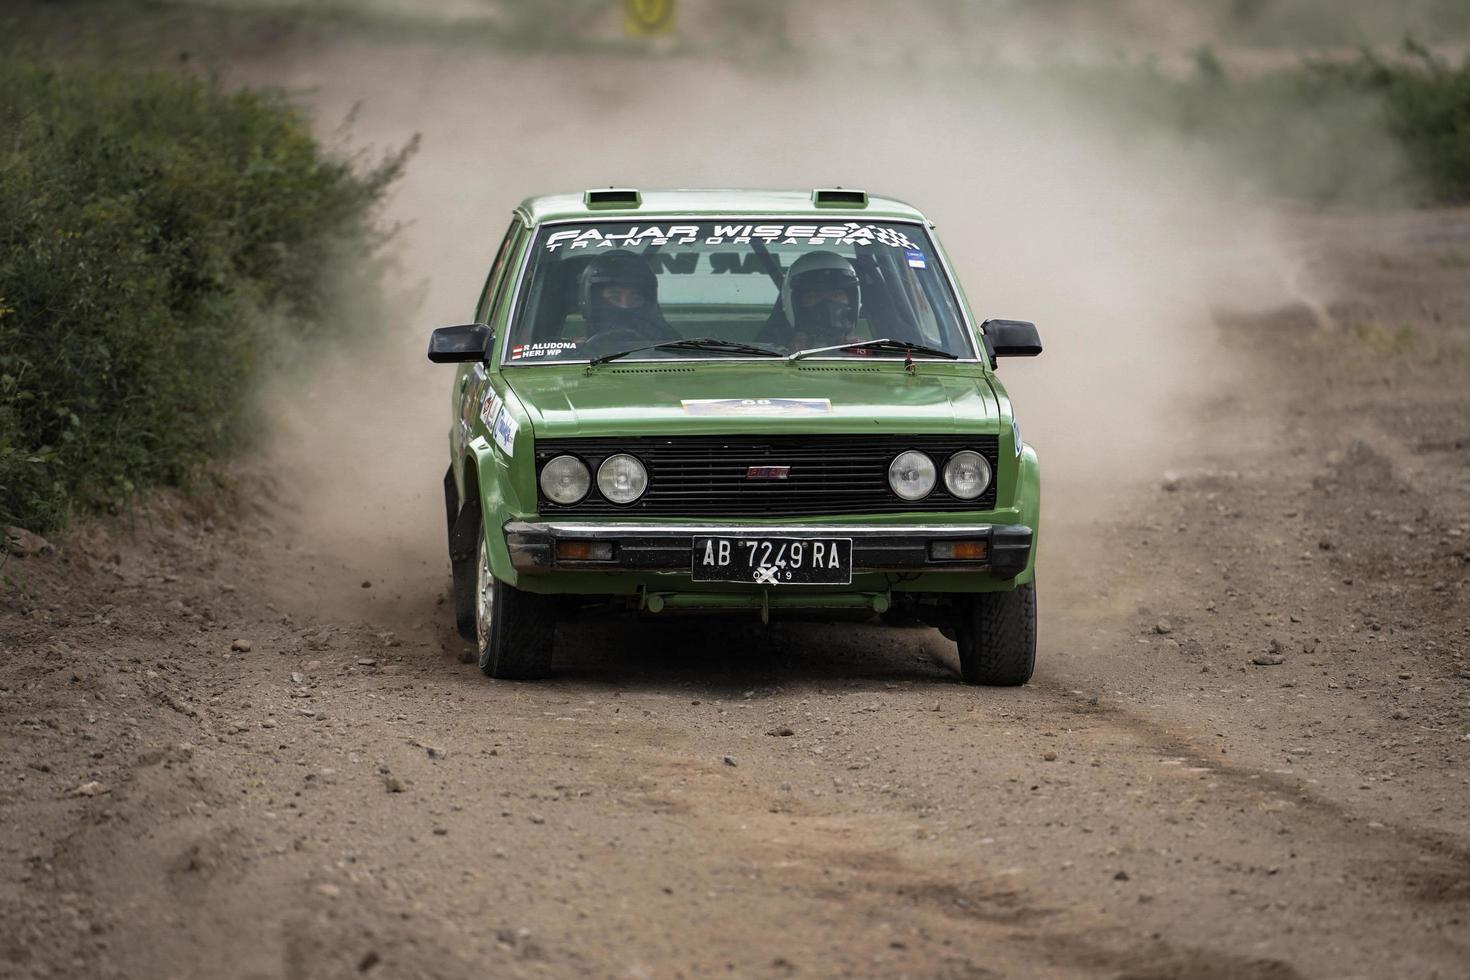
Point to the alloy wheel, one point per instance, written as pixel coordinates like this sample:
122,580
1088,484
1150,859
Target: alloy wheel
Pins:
484,598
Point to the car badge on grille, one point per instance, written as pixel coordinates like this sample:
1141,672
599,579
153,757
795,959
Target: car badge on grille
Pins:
768,472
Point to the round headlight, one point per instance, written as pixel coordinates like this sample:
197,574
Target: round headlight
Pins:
622,479
565,480
967,474
911,475
1016,436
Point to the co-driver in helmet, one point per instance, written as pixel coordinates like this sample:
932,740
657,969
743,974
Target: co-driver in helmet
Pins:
820,300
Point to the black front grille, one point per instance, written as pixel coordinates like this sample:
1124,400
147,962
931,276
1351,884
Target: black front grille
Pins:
689,475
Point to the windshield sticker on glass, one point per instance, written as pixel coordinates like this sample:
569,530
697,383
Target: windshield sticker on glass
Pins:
546,348
505,431
757,406
489,408
595,292
849,233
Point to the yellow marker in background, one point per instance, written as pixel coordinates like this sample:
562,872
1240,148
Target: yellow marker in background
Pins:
646,18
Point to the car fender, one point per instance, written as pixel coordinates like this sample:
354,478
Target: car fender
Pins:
1028,502
504,465
486,477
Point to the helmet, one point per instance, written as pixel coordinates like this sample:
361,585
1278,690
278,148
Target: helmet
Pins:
616,268
823,270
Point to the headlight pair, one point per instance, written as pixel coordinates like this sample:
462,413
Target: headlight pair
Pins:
621,478
912,474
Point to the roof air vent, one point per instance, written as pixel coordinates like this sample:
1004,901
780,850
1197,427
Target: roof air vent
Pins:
837,197
612,197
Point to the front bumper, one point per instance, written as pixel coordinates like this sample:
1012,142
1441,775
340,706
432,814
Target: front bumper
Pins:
666,547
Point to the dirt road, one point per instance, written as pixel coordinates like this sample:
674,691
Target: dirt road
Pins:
1246,752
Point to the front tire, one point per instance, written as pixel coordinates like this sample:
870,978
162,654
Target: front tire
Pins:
996,634
515,631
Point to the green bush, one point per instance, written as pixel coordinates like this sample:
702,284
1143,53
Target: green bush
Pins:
1427,107
1366,129
161,241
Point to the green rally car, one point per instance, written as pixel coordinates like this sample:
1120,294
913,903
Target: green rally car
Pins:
725,401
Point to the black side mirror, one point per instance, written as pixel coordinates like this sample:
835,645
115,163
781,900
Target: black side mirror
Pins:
465,343
1010,338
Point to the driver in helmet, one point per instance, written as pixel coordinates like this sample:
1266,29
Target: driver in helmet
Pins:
618,291
820,300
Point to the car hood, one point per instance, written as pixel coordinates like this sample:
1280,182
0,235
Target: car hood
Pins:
704,398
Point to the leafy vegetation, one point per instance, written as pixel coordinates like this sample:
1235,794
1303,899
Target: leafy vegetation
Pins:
1427,106
1297,24
211,30
1368,129
162,243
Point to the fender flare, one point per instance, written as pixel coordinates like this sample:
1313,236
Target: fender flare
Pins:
481,509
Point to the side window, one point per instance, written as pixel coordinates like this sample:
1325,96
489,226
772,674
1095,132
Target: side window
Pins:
497,270
507,286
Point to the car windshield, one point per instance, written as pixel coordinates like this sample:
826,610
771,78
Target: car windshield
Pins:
598,288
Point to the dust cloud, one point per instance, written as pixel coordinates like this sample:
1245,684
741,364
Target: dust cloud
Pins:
1117,248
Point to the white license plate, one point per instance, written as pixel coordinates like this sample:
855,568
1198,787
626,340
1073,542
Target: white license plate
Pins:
761,560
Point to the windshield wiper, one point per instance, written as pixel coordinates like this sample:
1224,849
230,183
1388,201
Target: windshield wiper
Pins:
710,344
880,344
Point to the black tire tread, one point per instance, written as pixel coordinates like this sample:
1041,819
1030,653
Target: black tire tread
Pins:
997,637
522,635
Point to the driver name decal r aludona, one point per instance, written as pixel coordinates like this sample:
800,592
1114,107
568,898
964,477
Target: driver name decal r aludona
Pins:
850,233
545,348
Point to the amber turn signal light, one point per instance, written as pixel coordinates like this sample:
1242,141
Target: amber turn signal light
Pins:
959,550
584,550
